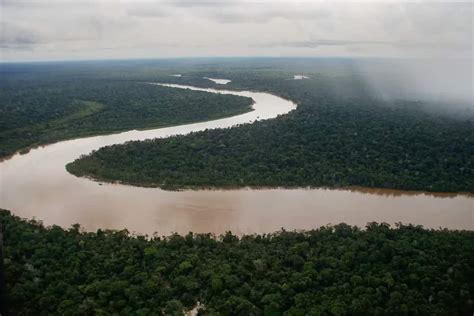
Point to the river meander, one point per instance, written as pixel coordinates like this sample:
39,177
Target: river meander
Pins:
37,185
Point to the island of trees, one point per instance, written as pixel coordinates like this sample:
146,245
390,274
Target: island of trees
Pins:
332,270
341,135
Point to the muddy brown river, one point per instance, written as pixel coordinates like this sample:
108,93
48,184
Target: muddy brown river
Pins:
37,185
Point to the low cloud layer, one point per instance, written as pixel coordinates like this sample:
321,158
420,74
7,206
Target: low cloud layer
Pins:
87,29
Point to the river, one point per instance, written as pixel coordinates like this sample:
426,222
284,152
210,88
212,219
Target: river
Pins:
37,185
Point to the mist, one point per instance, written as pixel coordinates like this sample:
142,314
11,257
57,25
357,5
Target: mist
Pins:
447,81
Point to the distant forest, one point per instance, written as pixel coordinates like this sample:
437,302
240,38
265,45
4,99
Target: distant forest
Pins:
333,270
342,134
42,108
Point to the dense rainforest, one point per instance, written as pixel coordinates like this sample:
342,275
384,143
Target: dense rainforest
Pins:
332,270
34,111
342,134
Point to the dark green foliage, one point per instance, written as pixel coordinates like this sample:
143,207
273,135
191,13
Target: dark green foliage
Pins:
334,270
339,136
36,112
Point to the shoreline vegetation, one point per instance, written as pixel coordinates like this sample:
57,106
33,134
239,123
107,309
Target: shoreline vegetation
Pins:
332,140
335,269
36,115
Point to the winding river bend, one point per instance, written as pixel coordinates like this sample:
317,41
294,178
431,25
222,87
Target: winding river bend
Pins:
38,185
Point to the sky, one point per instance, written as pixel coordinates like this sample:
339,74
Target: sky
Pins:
41,30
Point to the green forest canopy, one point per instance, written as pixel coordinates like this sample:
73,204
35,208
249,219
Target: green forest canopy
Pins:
37,111
340,135
332,270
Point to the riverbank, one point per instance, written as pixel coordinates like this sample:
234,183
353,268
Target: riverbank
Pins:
358,189
380,269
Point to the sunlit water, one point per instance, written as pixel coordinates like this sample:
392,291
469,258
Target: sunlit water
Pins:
37,185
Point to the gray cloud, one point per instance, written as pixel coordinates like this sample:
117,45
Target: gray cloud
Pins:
147,11
16,38
263,13
194,4
407,44
67,29
321,42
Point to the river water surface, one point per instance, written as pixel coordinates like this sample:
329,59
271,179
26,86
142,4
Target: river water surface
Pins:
38,185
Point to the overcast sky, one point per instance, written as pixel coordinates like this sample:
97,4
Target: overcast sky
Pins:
96,29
